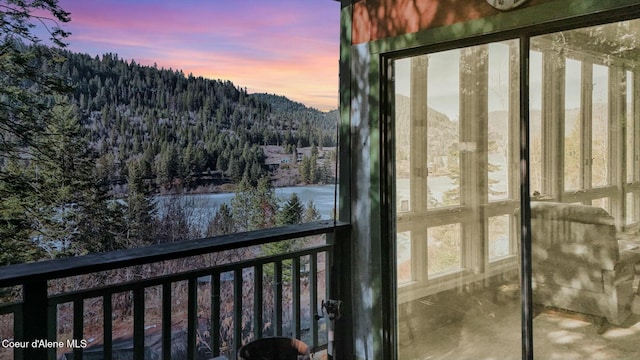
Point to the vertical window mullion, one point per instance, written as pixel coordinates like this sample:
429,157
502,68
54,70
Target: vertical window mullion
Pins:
636,144
525,219
474,189
515,79
586,114
553,124
418,146
418,160
617,150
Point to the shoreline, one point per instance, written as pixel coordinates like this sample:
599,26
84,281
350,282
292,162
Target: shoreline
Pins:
230,190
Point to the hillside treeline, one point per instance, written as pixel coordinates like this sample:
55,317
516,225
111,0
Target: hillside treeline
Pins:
181,129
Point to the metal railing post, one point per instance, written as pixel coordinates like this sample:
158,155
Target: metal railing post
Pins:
35,319
340,288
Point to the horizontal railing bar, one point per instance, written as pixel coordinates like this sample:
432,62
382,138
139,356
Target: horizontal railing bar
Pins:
58,268
160,280
321,347
10,308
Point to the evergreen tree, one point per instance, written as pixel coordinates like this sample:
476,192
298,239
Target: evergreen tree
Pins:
103,225
141,208
174,224
222,222
254,207
311,213
314,174
304,169
452,196
291,212
16,225
264,207
234,169
27,87
241,205
79,217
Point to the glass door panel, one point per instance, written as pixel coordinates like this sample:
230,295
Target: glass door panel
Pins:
583,292
456,189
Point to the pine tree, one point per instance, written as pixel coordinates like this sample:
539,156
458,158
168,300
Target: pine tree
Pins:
314,174
26,91
254,207
15,216
311,213
291,212
141,208
26,84
264,207
222,222
63,177
304,169
241,205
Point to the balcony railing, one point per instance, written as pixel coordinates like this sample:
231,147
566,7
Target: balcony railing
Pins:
226,302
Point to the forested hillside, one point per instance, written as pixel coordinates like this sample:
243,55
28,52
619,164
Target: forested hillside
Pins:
180,130
87,143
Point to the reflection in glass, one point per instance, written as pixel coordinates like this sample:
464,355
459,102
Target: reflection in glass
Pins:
535,123
443,249
498,145
458,293
499,244
443,129
602,203
600,126
403,140
630,128
572,126
583,234
630,210
456,178
403,250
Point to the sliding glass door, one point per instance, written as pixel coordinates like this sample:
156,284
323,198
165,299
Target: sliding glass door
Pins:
456,164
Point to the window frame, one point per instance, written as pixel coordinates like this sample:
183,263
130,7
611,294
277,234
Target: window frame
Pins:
475,208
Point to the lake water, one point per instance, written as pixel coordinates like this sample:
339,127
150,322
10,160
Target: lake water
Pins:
438,186
201,208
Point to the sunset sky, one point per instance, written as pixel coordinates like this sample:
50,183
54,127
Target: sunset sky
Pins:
286,47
